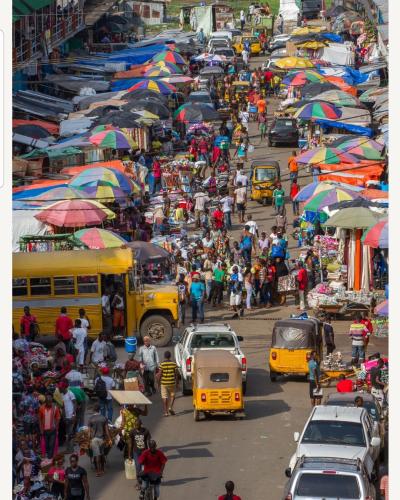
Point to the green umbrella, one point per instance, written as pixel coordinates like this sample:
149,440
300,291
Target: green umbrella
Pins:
353,218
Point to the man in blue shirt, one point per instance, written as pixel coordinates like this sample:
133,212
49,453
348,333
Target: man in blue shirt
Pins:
197,294
313,369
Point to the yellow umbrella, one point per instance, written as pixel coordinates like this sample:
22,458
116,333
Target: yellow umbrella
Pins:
293,62
314,45
307,30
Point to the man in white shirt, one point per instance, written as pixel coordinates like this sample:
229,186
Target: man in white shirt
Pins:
200,201
227,203
242,19
79,336
242,178
263,242
98,351
241,198
74,377
106,405
69,413
253,227
244,115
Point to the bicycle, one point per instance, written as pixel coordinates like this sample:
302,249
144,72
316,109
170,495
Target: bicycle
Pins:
152,486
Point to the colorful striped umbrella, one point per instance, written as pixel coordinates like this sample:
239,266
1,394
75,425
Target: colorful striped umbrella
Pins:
364,147
155,86
377,235
342,84
195,113
318,109
176,79
328,197
157,72
314,188
325,155
112,139
111,176
102,128
169,56
60,194
73,213
103,192
97,239
337,97
293,62
174,68
297,78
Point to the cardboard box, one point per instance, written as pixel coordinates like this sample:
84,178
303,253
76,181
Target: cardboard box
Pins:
131,384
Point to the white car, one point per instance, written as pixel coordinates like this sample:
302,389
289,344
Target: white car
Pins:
209,336
339,432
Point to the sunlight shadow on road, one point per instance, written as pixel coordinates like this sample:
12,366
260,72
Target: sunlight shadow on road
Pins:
177,482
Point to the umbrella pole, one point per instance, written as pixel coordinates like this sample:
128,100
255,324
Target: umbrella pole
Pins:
357,260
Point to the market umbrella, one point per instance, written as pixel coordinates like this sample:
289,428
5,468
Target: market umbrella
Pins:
145,117
145,252
311,44
157,72
60,194
73,213
151,105
103,192
328,197
111,176
174,79
103,127
313,89
338,97
342,84
371,95
298,78
169,56
145,94
319,109
123,119
362,146
325,155
382,309
353,218
357,202
377,235
293,62
174,68
112,139
317,187
156,86
97,239
211,70
196,112
34,131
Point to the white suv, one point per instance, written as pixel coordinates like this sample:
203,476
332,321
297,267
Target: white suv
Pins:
339,432
209,336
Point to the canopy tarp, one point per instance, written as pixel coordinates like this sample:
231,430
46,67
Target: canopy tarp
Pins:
355,174
355,129
52,153
77,169
23,223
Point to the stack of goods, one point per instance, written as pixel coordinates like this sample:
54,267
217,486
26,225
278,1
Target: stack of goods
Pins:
38,354
287,283
322,294
334,361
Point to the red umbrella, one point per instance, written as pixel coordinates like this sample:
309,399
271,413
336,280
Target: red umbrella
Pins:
73,213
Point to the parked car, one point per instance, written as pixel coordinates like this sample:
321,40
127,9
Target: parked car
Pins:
283,131
370,404
200,96
339,432
229,54
218,42
320,478
278,42
209,336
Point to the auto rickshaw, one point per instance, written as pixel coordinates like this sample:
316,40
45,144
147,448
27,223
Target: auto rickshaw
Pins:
217,384
240,89
264,175
293,339
255,46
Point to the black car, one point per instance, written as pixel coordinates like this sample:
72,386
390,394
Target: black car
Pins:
283,131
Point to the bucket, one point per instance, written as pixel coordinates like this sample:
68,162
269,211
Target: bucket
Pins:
130,469
130,344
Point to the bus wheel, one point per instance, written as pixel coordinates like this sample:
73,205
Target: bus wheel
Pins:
158,328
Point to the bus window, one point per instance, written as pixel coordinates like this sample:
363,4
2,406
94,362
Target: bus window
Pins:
88,284
20,287
40,286
64,285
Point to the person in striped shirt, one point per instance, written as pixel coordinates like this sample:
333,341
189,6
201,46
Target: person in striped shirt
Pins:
168,381
358,332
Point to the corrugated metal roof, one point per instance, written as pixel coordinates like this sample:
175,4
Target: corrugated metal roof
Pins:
94,9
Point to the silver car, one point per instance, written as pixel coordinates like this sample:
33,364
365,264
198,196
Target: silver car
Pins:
321,478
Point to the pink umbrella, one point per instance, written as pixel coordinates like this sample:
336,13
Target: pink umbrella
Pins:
73,213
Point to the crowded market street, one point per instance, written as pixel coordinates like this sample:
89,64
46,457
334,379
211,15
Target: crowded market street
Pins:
201,260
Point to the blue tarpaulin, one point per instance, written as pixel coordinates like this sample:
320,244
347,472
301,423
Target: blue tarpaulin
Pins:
355,129
30,193
333,37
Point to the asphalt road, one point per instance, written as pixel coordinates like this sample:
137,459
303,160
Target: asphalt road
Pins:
254,452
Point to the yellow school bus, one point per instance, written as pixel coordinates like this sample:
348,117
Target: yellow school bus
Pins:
47,281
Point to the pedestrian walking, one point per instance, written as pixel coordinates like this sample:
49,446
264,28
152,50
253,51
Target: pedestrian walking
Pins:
197,297
294,190
357,333
183,292
262,126
314,375
99,434
148,356
329,336
29,327
235,288
242,17
229,495
140,441
279,199
293,166
79,339
98,351
241,200
227,203
103,385
168,381
76,482
69,412
64,324
302,280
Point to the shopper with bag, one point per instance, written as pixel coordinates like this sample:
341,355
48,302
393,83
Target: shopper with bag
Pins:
148,356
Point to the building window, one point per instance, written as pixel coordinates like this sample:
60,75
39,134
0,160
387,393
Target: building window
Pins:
20,287
88,284
64,285
40,286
